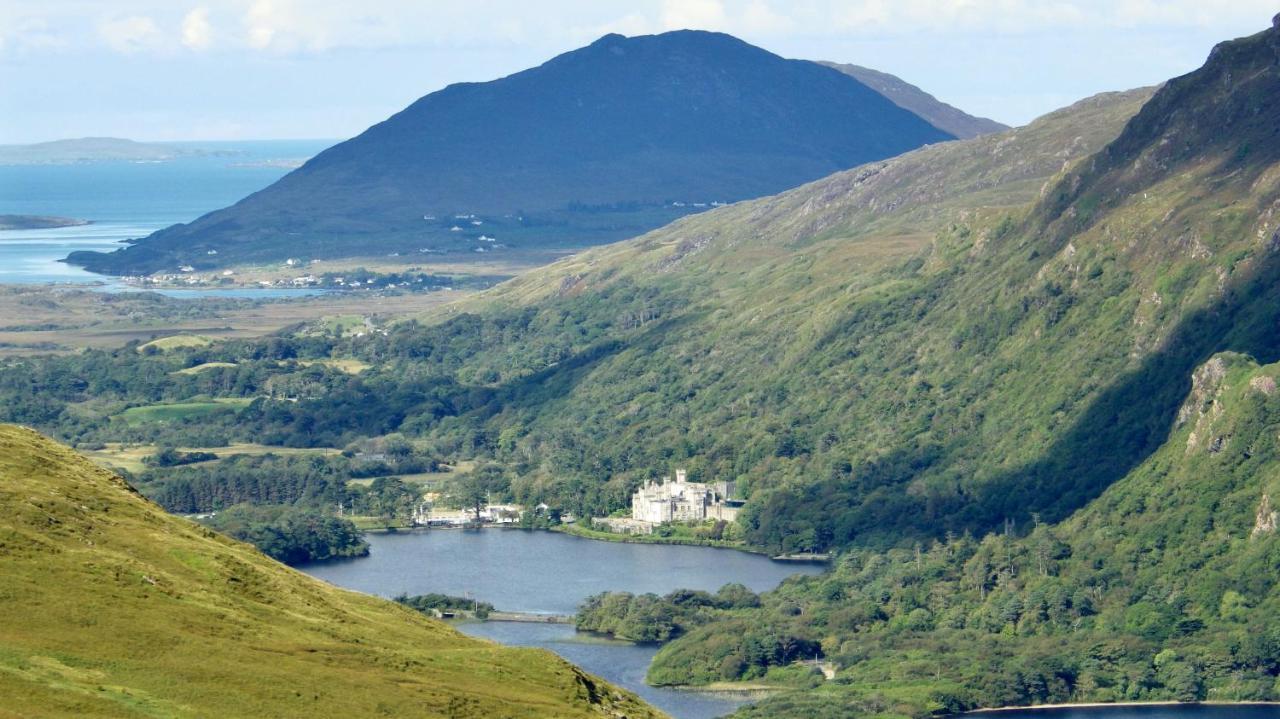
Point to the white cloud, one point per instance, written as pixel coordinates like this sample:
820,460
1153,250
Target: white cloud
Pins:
693,14
758,17
197,32
262,22
130,34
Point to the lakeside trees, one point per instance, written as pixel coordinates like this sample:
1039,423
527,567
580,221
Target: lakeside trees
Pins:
291,535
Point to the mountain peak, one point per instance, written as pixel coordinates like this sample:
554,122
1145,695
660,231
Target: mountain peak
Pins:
1220,116
597,144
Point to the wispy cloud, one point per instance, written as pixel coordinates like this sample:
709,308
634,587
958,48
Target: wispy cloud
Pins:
130,34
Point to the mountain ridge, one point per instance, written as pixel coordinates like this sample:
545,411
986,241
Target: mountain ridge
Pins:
909,97
595,144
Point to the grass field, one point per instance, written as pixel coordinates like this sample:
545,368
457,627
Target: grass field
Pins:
129,456
64,320
206,366
348,365
181,410
426,480
175,342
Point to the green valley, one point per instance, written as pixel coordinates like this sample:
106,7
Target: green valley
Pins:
1022,386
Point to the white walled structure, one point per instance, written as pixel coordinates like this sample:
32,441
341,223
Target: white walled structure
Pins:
679,501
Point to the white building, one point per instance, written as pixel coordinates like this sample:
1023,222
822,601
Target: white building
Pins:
681,501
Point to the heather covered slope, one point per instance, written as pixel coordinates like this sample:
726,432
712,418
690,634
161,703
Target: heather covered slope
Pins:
595,145
113,608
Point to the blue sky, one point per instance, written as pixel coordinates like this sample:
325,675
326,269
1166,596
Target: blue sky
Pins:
241,69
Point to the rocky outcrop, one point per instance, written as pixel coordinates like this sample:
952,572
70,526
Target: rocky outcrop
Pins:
1267,518
1204,405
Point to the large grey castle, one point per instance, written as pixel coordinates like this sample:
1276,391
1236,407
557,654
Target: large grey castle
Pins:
682,501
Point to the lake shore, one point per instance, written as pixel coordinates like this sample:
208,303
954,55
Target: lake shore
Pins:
581,532
585,533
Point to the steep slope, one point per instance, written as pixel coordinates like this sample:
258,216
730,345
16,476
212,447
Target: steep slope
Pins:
890,352
777,342
113,608
594,145
909,97
1161,589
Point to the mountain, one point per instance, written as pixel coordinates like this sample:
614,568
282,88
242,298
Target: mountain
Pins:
114,608
597,144
1162,589
968,334
909,97
1038,417
1024,385
90,149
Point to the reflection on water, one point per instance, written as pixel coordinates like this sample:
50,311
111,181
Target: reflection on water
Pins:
622,663
547,572
553,573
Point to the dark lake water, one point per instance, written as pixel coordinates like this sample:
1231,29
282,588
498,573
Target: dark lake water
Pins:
127,200
552,573
546,572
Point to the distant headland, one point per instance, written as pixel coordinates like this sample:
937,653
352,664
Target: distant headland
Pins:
38,222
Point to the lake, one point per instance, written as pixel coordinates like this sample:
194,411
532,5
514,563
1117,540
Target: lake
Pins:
127,200
544,572
553,573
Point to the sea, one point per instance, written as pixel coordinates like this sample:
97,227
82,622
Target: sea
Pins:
129,200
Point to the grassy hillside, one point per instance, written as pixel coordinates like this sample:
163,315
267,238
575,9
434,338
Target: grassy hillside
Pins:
1161,589
945,341
110,607
785,342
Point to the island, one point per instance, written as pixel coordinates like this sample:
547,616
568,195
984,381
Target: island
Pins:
38,222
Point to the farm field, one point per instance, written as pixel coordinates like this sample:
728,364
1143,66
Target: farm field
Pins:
129,456
60,320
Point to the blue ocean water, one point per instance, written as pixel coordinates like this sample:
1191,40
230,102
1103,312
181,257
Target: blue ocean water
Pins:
127,200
